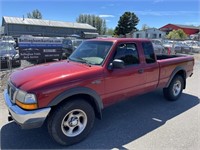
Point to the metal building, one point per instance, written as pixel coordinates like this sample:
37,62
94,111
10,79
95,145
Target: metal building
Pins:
151,33
14,26
188,29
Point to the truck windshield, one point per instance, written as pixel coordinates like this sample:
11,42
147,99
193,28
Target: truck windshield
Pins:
91,52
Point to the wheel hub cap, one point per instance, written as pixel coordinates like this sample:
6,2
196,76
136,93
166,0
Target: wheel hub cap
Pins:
73,122
177,88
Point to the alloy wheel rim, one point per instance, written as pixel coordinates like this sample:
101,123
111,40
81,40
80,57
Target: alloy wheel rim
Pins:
177,88
74,123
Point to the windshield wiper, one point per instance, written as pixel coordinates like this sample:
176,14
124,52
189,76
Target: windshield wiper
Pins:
81,60
84,61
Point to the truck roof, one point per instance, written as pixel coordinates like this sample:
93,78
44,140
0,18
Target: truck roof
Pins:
121,39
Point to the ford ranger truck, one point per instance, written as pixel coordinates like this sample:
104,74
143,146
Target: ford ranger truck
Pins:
68,95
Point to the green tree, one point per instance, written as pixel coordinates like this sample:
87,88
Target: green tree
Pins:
145,27
104,27
110,31
35,14
127,23
177,34
95,21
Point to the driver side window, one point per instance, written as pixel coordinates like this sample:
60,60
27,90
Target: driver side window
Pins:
127,53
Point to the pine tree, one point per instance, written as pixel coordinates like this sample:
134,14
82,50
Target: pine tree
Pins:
127,23
95,21
35,14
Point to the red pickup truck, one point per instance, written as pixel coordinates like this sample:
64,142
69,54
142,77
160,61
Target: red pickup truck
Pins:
69,94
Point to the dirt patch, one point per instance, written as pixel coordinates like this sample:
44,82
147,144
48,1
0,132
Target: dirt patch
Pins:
4,79
196,56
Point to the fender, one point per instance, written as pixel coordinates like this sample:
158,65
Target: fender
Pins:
76,91
176,70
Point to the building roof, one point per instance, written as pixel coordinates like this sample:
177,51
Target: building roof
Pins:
183,26
186,26
42,22
148,29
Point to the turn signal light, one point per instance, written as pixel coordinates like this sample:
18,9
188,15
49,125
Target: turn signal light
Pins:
26,106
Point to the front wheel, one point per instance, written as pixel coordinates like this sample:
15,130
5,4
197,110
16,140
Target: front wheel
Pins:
70,123
174,90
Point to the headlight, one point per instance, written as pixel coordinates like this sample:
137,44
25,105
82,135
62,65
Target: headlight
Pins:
26,100
9,56
30,99
20,96
16,56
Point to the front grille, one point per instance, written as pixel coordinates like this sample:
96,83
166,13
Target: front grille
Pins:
11,91
3,58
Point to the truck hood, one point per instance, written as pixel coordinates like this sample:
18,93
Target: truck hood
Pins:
51,73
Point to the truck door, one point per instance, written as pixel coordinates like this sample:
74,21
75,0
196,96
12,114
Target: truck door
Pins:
151,67
127,81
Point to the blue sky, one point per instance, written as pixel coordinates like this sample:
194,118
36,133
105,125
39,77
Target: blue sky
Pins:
154,13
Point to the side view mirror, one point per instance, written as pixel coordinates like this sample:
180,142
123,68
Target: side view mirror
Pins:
116,64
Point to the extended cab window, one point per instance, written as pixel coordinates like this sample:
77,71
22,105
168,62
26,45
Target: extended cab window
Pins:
128,53
148,52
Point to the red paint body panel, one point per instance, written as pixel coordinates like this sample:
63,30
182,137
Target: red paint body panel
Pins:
48,81
167,66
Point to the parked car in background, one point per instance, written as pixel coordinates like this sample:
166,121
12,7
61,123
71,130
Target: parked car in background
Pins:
170,46
195,45
69,45
9,39
8,55
181,47
158,46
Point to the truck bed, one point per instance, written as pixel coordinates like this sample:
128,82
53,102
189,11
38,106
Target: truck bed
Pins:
162,56
172,63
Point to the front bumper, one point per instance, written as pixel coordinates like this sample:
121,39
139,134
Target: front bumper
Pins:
26,119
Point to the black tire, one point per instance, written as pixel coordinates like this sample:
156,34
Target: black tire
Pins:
76,115
174,90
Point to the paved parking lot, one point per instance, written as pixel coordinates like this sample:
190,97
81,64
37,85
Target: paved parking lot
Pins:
142,122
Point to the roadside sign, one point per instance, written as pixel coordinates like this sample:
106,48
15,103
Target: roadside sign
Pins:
31,48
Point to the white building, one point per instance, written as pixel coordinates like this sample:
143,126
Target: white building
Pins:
151,33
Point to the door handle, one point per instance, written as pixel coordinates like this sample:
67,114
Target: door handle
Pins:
140,71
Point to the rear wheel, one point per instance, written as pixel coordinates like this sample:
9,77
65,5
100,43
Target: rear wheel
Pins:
174,90
70,123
